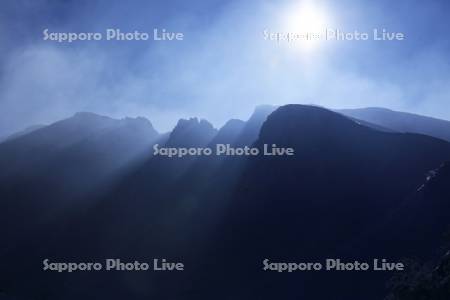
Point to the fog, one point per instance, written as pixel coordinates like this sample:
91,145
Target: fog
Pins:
222,69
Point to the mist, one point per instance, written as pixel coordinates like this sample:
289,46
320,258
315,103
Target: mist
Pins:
222,69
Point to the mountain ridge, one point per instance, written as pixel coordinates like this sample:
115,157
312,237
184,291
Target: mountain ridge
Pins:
402,121
335,197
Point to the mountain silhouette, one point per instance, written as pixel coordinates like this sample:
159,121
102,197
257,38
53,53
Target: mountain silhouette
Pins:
425,218
55,167
21,133
191,133
89,188
250,132
229,133
401,121
342,184
86,140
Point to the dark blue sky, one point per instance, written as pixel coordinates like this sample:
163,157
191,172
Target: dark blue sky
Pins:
223,67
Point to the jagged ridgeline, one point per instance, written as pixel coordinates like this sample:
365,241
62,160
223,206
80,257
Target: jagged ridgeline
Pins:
362,184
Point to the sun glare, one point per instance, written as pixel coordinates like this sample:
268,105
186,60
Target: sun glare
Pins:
309,20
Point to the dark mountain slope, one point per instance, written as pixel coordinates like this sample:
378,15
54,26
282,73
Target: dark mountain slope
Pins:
53,168
84,132
427,215
149,191
332,199
419,223
49,179
343,181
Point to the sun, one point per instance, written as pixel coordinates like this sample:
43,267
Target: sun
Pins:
308,19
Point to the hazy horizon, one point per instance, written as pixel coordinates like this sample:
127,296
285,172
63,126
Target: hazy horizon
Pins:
223,67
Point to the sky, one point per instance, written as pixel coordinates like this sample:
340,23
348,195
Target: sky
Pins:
224,66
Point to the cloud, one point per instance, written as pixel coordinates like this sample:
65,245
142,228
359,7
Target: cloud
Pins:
222,70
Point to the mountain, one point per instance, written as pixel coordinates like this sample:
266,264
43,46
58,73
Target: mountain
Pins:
229,132
21,133
85,140
424,216
191,133
243,133
250,132
343,183
431,281
351,191
55,168
401,121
